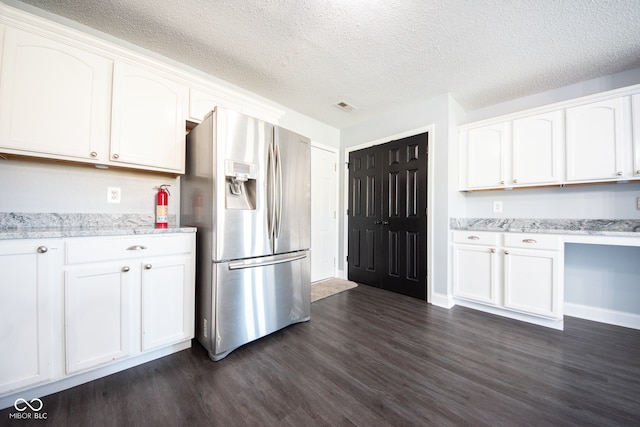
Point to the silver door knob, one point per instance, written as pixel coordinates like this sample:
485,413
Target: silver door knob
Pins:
116,156
42,249
515,181
94,154
619,174
506,252
147,266
125,269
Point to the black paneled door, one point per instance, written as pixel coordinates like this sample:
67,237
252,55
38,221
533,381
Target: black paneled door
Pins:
388,216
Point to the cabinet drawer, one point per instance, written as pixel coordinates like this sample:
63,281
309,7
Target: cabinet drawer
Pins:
97,249
476,237
533,241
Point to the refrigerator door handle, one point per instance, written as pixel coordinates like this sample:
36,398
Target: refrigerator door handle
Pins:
279,195
271,213
257,263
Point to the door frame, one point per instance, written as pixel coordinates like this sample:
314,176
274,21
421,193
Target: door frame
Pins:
430,129
336,154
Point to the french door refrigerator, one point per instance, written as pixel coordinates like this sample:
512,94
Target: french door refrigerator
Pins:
247,189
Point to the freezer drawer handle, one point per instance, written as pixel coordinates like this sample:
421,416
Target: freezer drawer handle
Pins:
240,265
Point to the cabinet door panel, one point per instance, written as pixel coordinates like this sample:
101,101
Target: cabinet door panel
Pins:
486,155
167,301
531,282
474,273
54,99
148,128
97,315
537,149
598,135
25,317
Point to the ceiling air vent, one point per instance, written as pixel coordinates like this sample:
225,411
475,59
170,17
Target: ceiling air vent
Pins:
345,106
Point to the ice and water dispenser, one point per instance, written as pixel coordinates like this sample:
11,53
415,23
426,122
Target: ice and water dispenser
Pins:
240,185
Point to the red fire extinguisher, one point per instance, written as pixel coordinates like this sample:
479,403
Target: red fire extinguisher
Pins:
162,207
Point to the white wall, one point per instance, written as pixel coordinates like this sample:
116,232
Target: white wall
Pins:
38,187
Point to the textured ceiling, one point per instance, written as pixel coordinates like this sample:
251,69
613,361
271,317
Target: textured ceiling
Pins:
378,54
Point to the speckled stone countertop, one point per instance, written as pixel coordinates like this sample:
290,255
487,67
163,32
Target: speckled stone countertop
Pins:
58,225
603,227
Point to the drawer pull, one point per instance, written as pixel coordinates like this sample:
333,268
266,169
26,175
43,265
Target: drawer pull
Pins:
473,238
136,248
125,269
492,250
42,249
147,266
506,252
529,241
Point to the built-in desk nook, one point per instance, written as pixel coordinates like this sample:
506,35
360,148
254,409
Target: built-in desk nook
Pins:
539,270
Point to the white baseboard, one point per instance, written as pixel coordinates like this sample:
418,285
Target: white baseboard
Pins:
596,314
55,386
540,321
442,300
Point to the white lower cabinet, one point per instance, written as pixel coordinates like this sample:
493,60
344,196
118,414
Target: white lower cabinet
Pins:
140,300
475,273
513,271
26,316
98,315
167,301
531,281
71,307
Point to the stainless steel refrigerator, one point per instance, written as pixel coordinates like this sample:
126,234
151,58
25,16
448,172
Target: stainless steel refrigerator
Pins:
247,189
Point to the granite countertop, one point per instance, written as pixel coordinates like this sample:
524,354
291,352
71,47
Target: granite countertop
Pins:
598,227
54,225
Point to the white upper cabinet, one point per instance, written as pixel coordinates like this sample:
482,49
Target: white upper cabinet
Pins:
522,152
635,99
599,141
537,149
148,125
484,154
54,99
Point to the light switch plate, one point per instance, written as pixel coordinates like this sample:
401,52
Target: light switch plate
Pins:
497,206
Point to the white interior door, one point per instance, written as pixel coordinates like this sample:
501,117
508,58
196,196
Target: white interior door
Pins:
324,206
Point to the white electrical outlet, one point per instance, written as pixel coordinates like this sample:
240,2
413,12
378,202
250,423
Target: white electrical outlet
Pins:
113,195
497,206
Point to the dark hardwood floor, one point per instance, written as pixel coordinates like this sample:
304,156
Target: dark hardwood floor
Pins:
373,358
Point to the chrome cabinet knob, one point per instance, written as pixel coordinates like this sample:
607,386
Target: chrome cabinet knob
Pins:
42,249
492,250
116,156
147,266
619,174
515,181
94,154
506,252
125,269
